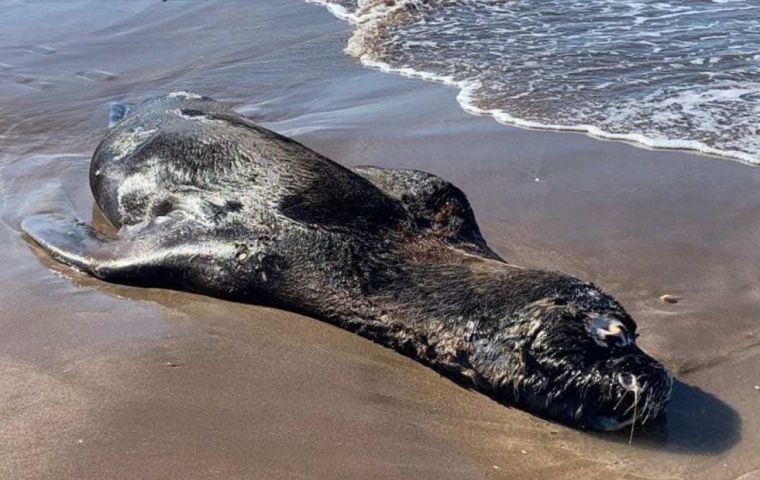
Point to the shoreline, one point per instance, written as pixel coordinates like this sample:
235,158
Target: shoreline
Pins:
256,392
466,102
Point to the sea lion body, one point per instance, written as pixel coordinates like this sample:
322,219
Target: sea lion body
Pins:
206,201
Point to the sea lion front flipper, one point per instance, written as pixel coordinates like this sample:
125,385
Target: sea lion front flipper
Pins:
145,259
436,204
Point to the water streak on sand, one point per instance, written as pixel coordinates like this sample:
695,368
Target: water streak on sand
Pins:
672,75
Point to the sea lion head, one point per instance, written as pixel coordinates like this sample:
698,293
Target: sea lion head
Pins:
581,365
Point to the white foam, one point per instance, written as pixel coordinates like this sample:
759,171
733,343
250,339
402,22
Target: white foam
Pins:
369,13
184,94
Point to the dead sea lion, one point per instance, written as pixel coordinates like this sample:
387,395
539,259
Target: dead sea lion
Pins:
206,201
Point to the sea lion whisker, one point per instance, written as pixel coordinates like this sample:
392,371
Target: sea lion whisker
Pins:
622,397
636,389
633,422
654,407
647,400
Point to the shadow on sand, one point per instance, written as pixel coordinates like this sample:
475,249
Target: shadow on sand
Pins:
695,423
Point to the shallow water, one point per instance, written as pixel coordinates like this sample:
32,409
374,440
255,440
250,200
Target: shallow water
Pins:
680,74
105,381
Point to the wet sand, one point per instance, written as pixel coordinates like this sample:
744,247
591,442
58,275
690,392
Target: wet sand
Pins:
104,381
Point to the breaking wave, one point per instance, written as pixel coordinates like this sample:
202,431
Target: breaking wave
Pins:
681,75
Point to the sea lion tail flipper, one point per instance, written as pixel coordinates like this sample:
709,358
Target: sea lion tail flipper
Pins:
76,244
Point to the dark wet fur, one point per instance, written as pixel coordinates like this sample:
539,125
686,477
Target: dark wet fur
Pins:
207,201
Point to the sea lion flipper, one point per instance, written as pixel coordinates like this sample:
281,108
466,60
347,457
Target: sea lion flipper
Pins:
76,244
436,204
66,239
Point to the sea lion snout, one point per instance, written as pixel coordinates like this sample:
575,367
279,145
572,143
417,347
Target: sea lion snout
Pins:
585,369
642,388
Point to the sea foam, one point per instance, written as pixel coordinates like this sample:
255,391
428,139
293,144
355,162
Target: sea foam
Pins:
681,75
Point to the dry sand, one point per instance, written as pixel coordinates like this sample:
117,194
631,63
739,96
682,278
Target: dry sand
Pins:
102,381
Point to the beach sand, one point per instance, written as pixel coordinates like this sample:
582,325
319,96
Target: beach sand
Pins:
104,381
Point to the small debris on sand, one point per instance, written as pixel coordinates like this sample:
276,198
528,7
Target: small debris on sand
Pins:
669,299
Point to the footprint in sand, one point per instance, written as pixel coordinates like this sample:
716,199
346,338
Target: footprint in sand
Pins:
42,50
96,75
31,82
23,80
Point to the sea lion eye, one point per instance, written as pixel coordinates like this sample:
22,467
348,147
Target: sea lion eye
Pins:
607,331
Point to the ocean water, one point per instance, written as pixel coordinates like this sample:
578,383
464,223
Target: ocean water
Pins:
664,74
